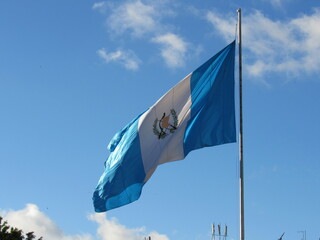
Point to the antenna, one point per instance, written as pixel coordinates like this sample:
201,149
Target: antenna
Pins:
304,234
219,234
213,232
225,232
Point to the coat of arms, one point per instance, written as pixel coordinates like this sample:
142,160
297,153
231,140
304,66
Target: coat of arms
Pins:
165,125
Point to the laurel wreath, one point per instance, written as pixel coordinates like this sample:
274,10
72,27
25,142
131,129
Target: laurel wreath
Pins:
175,120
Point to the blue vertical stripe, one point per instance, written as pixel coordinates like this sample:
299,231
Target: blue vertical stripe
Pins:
212,120
122,180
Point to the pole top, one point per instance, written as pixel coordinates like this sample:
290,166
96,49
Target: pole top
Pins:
239,10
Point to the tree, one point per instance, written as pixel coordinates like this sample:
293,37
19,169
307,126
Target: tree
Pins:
11,233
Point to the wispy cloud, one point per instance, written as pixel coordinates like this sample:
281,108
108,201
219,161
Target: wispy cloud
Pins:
290,47
276,3
226,26
142,21
100,6
32,219
173,49
126,58
136,17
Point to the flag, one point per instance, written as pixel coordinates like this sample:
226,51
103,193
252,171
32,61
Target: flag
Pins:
198,112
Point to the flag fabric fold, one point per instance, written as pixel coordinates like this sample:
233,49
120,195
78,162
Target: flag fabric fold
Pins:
198,112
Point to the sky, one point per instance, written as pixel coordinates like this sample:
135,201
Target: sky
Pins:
73,73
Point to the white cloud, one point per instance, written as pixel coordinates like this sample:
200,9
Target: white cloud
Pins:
276,3
111,229
32,219
98,5
136,17
174,49
142,20
126,58
224,26
290,47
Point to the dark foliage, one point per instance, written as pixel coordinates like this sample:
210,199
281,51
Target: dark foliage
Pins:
11,233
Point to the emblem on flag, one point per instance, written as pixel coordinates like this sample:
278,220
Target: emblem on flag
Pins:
166,125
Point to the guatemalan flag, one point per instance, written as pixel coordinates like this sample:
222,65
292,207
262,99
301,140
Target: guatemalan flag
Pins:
198,112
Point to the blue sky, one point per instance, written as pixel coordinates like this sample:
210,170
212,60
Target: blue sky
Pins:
75,72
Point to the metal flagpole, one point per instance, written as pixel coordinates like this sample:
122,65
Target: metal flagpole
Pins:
240,132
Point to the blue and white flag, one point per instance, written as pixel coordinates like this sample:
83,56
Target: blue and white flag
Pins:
198,112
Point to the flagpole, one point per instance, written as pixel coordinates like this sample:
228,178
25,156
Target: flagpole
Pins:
241,182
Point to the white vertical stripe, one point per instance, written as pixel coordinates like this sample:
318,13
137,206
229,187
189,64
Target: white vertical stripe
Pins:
156,151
